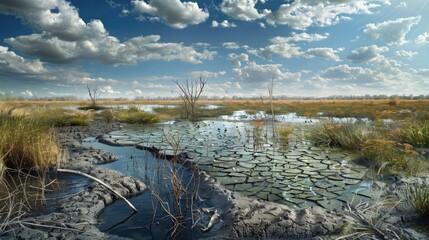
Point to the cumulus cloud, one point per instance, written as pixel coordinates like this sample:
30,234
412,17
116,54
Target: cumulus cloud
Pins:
392,31
346,73
27,93
12,64
306,13
327,53
300,37
238,59
422,38
405,54
365,54
205,74
67,38
256,73
244,10
175,13
223,24
283,47
230,45
108,89
134,92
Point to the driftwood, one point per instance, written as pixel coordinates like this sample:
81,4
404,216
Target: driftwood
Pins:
100,182
213,220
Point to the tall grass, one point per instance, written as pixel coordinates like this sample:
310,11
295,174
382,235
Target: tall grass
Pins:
59,117
390,157
348,136
28,143
415,133
283,134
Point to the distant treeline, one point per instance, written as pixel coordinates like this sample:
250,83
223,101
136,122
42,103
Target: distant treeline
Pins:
283,97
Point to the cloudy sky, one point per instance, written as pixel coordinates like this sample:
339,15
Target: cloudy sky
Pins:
135,48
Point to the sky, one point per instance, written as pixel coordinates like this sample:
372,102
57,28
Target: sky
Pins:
138,48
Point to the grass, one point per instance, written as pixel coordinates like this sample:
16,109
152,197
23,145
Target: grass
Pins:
414,132
416,196
28,143
348,136
135,116
390,157
283,134
58,117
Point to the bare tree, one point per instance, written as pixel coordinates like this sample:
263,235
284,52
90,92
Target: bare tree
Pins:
94,94
191,91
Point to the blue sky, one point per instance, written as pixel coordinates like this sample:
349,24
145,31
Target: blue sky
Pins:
137,48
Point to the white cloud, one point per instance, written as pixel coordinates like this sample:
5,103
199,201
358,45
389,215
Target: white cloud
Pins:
238,59
12,64
300,37
405,54
224,24
256,73
327,53
160,78
244,10
205,74
108,89
134,92
402,5
368,53
285,50
175,13
67,38
422,38
305,13
27,93
393,31
230,45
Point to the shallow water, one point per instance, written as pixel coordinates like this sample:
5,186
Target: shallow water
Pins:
117,219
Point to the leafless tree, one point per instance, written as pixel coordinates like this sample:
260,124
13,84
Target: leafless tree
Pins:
94,94
191,90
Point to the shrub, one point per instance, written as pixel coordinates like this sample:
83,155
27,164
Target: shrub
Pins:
28,143
391,157
416,196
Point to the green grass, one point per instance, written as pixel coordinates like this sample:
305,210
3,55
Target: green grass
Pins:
415,133
347,136
390,157
135,117
416,196
59,117
283,134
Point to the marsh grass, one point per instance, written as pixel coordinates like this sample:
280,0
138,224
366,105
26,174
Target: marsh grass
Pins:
414,132
348,136
135,116
416,196
283,135
390,157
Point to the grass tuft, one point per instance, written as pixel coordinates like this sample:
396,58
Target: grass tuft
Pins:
416,196
348,136
283,134
415,133
136,117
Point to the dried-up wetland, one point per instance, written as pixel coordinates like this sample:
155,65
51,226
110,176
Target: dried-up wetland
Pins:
236,172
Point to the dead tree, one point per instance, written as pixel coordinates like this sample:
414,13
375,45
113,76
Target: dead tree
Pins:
191,91
94,94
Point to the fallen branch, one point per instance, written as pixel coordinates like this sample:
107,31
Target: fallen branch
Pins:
100,182
213,220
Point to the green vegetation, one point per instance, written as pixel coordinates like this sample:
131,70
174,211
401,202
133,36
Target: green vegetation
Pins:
135,116
390,157
415,133
59,117
347,136
283,134
416,196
